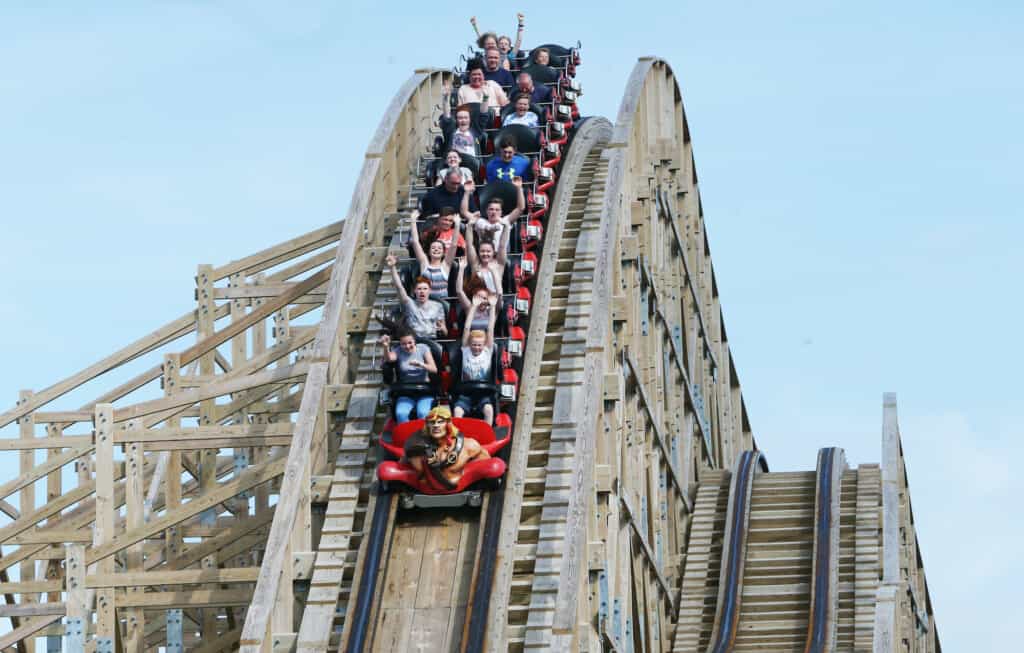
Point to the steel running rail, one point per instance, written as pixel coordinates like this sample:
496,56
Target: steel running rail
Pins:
822,621
734,551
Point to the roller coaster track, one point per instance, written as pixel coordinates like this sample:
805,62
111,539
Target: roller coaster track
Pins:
219,494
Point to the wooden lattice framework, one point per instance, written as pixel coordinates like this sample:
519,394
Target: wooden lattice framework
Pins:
220,497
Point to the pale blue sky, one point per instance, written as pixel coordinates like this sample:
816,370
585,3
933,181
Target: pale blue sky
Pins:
857,165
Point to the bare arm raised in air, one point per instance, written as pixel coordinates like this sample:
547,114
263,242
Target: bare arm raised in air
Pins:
414,240
395,279
460,289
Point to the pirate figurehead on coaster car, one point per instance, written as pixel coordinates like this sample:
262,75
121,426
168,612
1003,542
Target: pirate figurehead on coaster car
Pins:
439,452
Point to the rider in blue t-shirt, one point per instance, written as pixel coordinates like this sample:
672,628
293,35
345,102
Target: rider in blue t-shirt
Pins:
509,165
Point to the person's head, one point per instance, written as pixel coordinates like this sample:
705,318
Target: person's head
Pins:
477,341
492,58
435,251
476,77
522,104
446,218
525,82
494,210
474,286
504,44
452,180
406,340
543,57
485,252
453,158
438,424
462,119
508,150
487,40
422,287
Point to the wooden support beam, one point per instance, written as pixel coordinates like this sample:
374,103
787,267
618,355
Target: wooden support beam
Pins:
135,619
27,499
32,610
192,598
257,619
103,529
179,577
59,442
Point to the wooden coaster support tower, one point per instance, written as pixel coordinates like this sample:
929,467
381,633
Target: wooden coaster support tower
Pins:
215,489
195,462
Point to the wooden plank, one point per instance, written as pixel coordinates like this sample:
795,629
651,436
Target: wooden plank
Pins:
438,572
135,619
251,291
32,610
27,499
198,435
103,527
429,628
258,616
192,598
404,566
890,490
77,600
31,586
60,442
179,577
50,535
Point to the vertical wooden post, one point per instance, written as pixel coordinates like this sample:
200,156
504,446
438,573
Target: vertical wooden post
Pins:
26,461
103,530
259,454
239,352
135,626
77,610
242,455
53,567
887,626
205,314
53,490
172,475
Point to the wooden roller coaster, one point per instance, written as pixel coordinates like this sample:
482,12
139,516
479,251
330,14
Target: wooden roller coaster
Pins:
219,491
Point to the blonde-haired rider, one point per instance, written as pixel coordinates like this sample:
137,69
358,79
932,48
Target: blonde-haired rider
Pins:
477,350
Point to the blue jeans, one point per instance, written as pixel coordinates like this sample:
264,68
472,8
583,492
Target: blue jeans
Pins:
404,406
